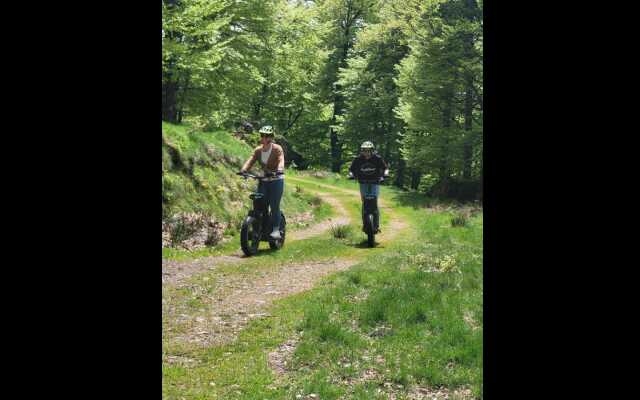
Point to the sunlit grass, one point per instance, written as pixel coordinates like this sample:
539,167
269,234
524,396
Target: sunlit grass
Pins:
410,311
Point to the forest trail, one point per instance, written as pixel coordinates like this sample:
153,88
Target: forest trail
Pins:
239,298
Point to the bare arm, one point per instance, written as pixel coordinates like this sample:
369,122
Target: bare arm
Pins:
247,165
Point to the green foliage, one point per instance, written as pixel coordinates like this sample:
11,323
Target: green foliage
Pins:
370,91
405,74
440,83
212,51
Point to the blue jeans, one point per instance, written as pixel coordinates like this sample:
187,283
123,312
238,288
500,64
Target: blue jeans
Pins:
272,192
371,189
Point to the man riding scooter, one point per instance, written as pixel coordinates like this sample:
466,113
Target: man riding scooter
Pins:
369,169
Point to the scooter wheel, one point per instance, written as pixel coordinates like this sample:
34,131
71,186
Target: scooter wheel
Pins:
249,237
370,231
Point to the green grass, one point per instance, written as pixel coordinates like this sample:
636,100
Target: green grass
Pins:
411,317
411,311
199,173
192,142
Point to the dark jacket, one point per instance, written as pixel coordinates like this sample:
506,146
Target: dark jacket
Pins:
368,171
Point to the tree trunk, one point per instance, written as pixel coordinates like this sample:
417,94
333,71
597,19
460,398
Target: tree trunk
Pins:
259,102
481,178
468,109
336,149
399,181
387,149
415,180
336,152
169,101
442,188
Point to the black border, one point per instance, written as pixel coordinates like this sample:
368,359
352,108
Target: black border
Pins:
89,212
88,157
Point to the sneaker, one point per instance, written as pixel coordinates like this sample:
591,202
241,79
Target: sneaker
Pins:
276,234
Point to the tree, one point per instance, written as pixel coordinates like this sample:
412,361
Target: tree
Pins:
211,51
441,88
192,50
347,18
371,93
329,74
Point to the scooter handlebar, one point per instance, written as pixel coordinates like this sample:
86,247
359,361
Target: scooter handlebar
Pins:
267,175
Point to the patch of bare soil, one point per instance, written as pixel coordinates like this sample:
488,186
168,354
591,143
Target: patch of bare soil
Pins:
393,391
395,226
234,309
191,231
174,271
424,393
280,358
470,321
469,210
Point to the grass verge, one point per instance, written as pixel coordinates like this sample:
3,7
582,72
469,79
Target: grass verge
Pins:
408,316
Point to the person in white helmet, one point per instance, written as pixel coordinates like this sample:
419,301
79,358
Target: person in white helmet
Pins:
369,169
271,159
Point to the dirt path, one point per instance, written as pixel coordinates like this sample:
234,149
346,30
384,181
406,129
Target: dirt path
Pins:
246,299
176,271
239,298
395,226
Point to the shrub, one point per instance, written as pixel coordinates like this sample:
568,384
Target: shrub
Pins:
459,219
341,231
315,201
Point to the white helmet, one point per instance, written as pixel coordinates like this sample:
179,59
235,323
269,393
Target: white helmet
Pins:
267,130
367,146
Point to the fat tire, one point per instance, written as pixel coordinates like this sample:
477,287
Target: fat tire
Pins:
248,239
